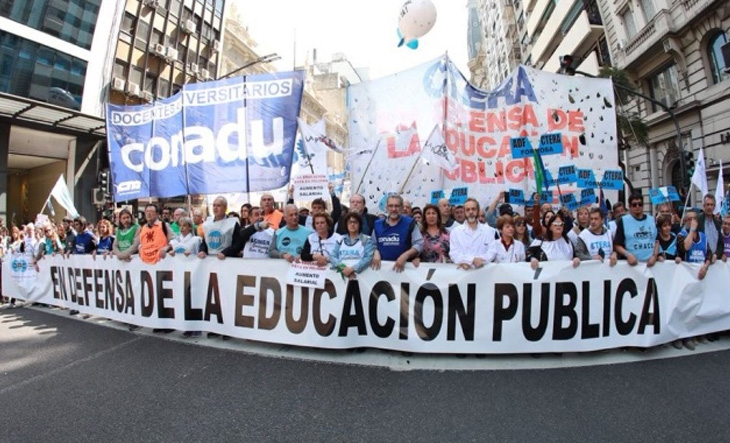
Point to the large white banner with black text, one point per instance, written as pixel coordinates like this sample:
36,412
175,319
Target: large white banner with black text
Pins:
435,308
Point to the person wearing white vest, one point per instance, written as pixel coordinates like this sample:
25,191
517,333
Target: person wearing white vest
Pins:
319,244
354,251
187,243
220,232
596,241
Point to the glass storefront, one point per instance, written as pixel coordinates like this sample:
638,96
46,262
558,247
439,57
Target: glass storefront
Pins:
70,20
32,70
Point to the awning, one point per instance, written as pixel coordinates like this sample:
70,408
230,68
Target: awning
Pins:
20,109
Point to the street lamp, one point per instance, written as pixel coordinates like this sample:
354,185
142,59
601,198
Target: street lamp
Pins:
566,67
263,59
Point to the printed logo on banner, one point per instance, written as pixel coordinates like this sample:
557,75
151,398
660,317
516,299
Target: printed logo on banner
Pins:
19,265
231,135
586,179
663,195
179,250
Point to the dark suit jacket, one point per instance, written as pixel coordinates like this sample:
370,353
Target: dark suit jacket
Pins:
719,247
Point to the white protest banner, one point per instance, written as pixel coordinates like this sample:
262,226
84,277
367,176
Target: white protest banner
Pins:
435,308
41,220
308,275
309,187
21,267
478,126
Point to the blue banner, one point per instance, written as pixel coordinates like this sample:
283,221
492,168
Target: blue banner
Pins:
551,144
613,180
664,194
232,135
520,147
436,196
586,179
459,195
567,174
516,197
588,197
569,201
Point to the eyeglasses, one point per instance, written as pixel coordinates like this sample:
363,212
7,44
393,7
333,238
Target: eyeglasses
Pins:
558,224
636,205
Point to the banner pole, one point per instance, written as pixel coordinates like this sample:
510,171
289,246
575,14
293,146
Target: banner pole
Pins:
413,168
364,173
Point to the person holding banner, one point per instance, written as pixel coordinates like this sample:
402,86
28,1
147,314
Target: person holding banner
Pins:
436,240
506,249
85,241
470,242
354,252
288,241
636,234
105,241
595,242
154,236
220,233
693,245
186,243
708,225
554,245
255,239
319,244
397,236
127,240
666,241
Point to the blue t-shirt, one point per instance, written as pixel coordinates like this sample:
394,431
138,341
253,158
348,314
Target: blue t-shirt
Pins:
392,241
84,243
291,242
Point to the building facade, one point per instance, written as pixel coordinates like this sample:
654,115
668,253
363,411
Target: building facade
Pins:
673,52
54,61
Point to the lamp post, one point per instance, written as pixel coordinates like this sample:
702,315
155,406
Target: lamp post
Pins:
263,59
566,66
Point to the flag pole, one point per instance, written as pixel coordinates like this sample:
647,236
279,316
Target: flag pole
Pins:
370,162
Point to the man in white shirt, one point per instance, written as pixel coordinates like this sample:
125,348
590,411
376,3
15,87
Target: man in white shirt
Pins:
470,241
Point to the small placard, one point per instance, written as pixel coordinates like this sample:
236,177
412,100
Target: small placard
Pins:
567,174
613,179
551,144
569,201
436,196
308,275
516,197
586,179
309,187
520,147
588,197
459,196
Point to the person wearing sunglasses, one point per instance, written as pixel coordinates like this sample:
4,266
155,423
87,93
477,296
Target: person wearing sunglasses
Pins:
636,234
554,245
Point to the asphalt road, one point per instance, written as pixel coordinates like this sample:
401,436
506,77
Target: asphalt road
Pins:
66,380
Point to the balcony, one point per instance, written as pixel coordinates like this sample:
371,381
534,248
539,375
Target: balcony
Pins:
579,39
649,39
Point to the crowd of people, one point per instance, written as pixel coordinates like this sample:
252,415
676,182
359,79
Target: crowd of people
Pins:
352,240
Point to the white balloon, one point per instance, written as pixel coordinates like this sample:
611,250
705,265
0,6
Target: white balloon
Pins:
417,17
